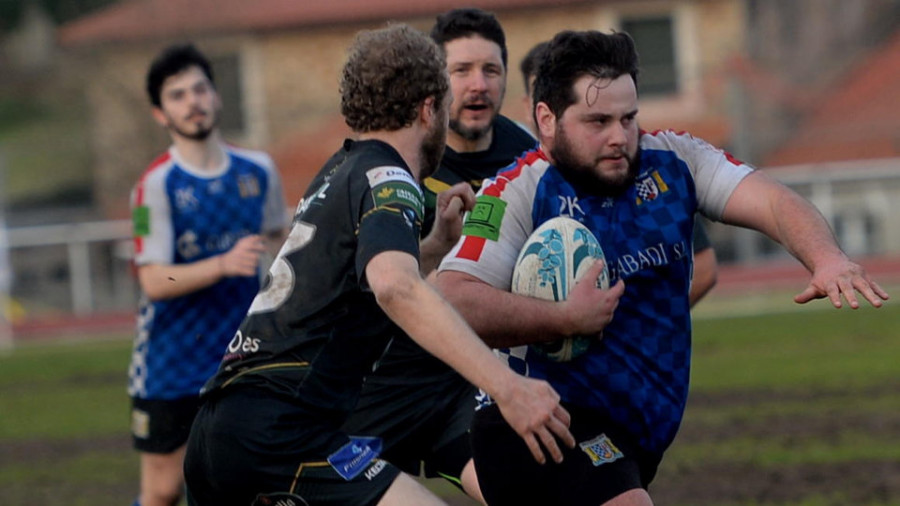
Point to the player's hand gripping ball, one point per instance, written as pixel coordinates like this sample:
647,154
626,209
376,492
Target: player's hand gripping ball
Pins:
552,260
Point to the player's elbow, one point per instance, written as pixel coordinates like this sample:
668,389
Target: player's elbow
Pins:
395,293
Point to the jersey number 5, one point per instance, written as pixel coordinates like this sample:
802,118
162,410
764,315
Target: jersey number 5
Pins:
281,275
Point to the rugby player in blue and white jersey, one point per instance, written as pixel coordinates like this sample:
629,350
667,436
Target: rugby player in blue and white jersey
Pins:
638,192
204,212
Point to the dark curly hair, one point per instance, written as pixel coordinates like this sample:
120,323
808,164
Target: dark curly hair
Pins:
571,55
388,74
459,23
173,60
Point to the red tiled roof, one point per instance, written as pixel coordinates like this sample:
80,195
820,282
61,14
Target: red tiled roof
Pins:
134,20
860,119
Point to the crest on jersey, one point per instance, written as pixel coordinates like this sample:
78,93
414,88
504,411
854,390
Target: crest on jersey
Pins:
248,186
601,450
650,187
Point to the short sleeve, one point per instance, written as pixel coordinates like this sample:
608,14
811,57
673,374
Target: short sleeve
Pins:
151,221
390,215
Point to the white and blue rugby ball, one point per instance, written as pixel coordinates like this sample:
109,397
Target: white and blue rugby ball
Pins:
553,259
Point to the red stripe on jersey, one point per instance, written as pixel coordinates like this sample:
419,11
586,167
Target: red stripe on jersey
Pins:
139,191
499,184
732,159
471,248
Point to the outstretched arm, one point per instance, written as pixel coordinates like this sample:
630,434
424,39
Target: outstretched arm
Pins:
761,203
530,406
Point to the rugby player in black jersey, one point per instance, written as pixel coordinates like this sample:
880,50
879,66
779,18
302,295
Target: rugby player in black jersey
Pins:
420,407
346,281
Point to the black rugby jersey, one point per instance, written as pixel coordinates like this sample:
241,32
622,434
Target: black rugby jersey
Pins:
315,329
508,142
406,362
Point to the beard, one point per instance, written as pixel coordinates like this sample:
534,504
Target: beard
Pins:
583,173
432,150
201,133
471,133
474,133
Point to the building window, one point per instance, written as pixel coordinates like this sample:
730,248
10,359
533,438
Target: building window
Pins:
227,73
655,42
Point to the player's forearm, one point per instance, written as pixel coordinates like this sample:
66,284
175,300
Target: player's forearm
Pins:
430,321
766,205
161,282
431,251
805,233
502,319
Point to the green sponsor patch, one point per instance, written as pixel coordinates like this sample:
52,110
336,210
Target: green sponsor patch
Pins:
396,192
140,219
485,218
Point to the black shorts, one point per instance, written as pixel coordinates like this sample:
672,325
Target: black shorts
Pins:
423,423
249,446
605,462
162,426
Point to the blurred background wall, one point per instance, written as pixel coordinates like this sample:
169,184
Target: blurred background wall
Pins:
804,89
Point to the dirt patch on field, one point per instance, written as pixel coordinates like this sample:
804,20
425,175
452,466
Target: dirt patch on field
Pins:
841,484
838,483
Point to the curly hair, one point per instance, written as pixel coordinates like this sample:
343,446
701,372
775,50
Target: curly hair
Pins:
388,74
572,55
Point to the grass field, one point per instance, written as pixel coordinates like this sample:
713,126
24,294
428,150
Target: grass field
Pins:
790,408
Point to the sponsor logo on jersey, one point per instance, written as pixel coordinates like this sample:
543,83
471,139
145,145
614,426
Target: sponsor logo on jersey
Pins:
601,450
375,469
248,186
185,200
399,193
656,255
354,457
187,246
215,186
569,206
485,218
241,345
313,199
650,187
140,221
381,175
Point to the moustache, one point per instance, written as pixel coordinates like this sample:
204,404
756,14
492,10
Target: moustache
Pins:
478,100
197,113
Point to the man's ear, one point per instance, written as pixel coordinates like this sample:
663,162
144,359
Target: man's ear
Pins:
427,111
546,121
159,116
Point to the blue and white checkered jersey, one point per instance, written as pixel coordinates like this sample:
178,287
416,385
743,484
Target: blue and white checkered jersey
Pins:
638,373
182,215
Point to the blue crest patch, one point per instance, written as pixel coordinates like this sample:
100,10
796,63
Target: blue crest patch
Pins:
601,450
352,458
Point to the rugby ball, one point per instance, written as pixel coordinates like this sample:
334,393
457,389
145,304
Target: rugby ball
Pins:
553,259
